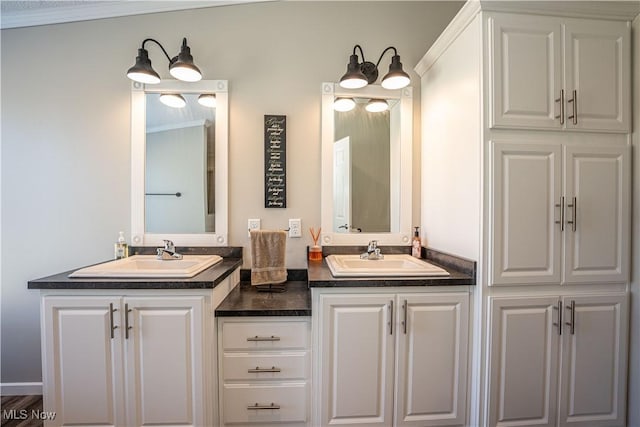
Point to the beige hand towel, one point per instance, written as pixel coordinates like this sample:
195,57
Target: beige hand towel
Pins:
268,257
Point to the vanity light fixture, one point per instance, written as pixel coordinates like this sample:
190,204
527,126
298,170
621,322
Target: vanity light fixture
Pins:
181,66
376,105
174,100
344,104
359,75
207,100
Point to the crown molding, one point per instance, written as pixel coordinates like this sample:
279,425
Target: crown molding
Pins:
74,12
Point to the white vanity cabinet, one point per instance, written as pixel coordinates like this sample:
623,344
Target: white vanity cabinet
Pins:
130,357
559,213
559,73
558,360
101,349
372,346
264,371
82,360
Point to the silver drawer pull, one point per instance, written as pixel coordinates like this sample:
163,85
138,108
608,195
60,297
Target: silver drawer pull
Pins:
258,370
257,338
258,406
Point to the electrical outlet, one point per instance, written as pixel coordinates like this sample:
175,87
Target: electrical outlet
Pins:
295,227
253,224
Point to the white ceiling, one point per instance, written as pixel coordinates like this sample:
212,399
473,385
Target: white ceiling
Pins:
15,14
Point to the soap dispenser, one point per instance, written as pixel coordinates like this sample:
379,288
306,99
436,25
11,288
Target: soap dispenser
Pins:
121,249
416,245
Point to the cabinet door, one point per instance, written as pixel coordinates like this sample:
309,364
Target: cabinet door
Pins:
164,361
82,373
432,359
598,68
525,71
594,361
356,359
525,206
597,193
524,346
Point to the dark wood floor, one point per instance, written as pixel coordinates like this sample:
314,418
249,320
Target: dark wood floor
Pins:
21,411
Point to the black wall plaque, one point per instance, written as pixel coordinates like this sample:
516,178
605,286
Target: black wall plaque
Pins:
275,161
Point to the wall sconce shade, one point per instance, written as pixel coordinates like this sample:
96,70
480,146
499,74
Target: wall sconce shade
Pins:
354,78
207,100
181,66
142,71
359,75
396,78
377,106
174,100
344,104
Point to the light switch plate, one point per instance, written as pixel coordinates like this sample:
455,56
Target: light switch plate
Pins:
253,224
295,227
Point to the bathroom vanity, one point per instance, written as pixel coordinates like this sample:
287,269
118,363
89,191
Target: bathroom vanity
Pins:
392,351
132,351
212,350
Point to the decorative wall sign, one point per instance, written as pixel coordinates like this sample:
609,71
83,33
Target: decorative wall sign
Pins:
275,161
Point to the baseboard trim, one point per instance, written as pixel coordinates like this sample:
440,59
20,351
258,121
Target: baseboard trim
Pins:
20,389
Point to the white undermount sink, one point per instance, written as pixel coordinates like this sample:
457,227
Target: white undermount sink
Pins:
389,266
147,266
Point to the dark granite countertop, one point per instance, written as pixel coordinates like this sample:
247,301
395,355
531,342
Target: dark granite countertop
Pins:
207,279
461,272
245,300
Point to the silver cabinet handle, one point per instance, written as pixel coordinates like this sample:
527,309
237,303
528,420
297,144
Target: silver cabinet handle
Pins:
572,318
113,327
574,219
561,101
127,310
561,206
391,317
258,338
258,406
404,322
259,370
558,308
574,106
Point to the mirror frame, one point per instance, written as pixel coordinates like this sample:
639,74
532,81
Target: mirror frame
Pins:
139,236
405,96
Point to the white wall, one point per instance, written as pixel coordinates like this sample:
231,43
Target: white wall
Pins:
634,345
65,127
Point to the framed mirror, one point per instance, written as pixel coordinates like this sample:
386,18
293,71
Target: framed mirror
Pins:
366,167
179,161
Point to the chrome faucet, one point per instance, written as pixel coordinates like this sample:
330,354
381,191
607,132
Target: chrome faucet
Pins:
373,251
168,252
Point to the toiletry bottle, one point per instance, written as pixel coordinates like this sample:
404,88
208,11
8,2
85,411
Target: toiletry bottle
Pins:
121,249
416,248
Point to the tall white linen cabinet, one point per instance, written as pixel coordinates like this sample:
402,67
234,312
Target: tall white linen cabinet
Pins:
526,167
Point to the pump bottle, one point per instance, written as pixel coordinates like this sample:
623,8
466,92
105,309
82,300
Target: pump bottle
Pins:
416,244
121,249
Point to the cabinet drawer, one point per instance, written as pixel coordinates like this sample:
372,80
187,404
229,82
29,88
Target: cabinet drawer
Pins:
264,335
288,401
283,366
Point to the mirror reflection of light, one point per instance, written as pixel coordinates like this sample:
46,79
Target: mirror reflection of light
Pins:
207,100
174,100
377,106
344,104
